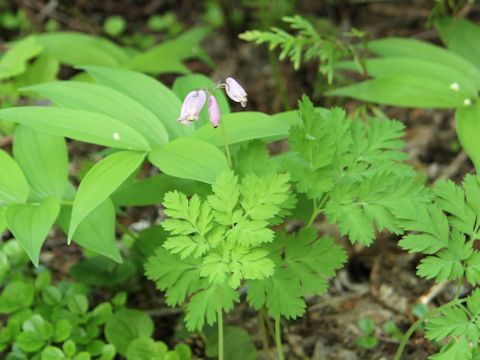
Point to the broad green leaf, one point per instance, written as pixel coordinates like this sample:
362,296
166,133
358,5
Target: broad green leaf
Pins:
101,181
74,48
97,230
104,100
14,61
151,190
190,159
243,126
78,125
44,69
31,223
146,90
468,131
44,160
168,56
13,185
461,37
401,47
125,326
184,84
239,344
385,67
404,90
146,348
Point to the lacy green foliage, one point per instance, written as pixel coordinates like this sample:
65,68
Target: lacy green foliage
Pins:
352,170
445,231
303,264
215,243
304,45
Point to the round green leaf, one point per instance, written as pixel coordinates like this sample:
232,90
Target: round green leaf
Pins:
125,326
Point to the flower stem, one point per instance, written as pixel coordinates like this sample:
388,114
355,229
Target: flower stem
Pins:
278,339
220,332
227,147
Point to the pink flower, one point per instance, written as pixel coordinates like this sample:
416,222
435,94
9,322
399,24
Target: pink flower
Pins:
235,91
214,111
191,107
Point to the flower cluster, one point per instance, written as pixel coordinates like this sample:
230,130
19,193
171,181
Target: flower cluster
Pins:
195,100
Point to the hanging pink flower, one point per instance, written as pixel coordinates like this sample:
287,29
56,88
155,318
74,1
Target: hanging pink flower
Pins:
191,107
214,111
235,91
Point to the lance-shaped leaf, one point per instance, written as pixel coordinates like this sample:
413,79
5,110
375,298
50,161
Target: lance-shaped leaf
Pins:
147,91
243,126
190,159
44,160
404,90
13,185
104,100
30,224
87,49
97,230
79,125
100,182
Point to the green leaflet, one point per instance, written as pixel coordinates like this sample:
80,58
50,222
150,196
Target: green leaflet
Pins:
101,181
79,125
147,91
104,100
96,232
44,160
304,263
201,307
13,185
190,159
31,223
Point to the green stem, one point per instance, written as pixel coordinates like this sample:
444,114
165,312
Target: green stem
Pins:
416,324
407,335
263,332
314,213
227,147
278,339
220,332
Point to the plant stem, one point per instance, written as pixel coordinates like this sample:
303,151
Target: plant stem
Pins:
227,147
263,332
416,324
278,339
220,332
407,335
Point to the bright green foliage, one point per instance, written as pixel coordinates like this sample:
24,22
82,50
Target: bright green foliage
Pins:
305,45
304,263
445,230
353,168
216,243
